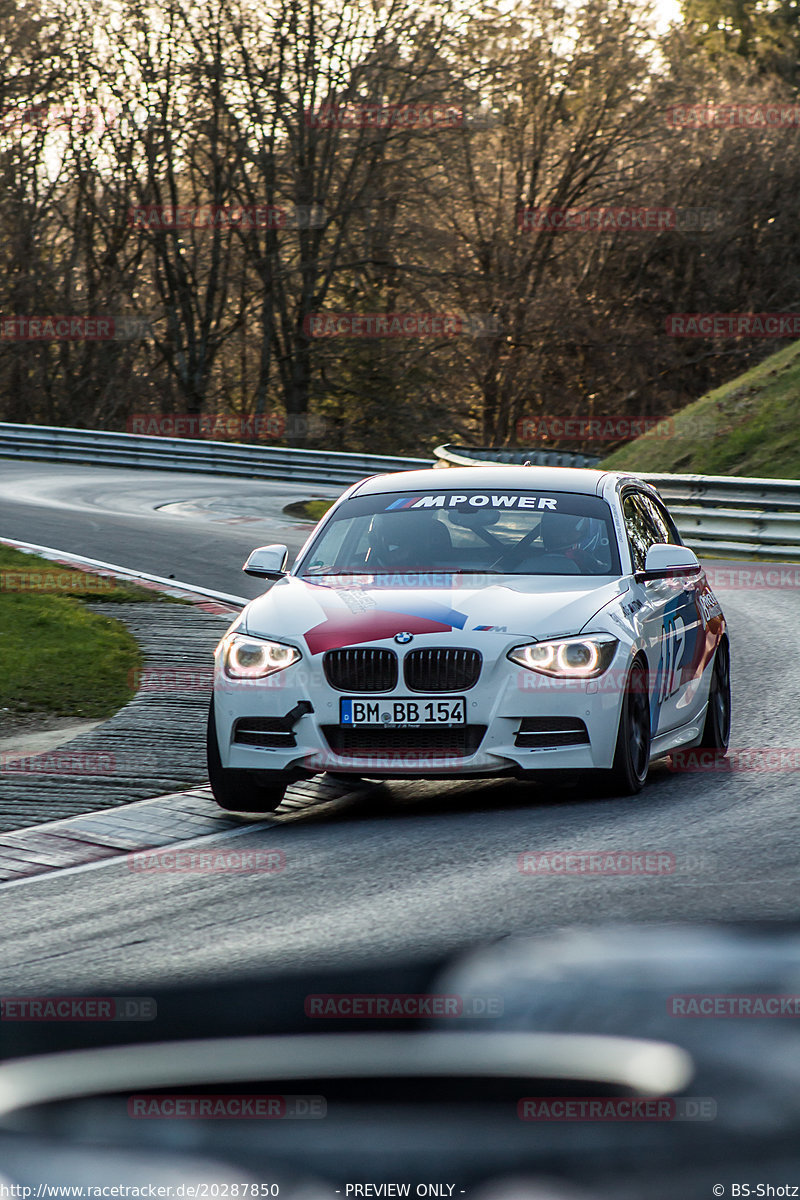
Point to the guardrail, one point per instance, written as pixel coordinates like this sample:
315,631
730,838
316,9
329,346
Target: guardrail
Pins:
715,514
95,447
474,456
727,515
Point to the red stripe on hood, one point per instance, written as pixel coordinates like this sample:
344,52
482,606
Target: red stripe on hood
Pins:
349,629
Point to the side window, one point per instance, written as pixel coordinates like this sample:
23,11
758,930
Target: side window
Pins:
663,521
641,528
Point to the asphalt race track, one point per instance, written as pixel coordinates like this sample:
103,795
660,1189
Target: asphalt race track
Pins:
413,867
202,536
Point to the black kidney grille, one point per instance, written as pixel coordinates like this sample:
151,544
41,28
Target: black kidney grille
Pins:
458,741
361,670
441,669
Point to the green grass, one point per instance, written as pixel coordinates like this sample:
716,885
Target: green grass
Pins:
58,657
750,426
309,510
28,573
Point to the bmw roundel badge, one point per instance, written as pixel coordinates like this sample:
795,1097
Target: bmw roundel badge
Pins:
403,639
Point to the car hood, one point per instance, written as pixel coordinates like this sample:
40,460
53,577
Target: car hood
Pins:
349,611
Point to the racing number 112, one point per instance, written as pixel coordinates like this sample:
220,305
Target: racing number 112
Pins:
673,639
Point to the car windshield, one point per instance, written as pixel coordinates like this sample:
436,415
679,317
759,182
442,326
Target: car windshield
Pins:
498,532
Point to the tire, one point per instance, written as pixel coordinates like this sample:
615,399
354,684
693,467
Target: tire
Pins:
717,729
241,791
628,775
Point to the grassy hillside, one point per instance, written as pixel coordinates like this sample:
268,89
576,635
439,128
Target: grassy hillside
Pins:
749,426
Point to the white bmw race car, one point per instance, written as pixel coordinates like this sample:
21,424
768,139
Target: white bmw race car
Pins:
472,622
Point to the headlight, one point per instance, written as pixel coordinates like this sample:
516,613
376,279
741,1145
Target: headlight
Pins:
568,658
254,658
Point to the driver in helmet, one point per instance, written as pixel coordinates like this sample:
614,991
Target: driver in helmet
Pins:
581,540
399,540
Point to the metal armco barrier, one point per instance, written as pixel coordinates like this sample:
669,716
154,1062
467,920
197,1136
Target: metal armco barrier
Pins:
475,456
94,447
715,514
722,514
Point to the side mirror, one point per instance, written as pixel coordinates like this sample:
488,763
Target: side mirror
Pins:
267,562
663,560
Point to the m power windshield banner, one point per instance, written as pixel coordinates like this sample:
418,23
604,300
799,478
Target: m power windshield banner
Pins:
466,503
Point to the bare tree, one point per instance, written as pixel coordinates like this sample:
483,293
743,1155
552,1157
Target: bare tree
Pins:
572,107
322,88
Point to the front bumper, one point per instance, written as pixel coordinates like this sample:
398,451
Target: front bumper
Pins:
506,701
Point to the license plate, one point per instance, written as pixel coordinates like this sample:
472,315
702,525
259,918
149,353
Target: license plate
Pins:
404,711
